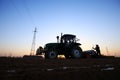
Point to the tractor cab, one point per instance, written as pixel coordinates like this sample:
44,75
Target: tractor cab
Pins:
68,38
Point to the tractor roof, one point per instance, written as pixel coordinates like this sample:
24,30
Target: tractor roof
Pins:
68,36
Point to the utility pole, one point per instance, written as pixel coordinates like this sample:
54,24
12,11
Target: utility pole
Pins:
107,51
33,43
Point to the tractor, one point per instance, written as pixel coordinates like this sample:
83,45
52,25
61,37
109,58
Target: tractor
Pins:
67,45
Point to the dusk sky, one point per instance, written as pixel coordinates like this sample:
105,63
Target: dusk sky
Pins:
92,21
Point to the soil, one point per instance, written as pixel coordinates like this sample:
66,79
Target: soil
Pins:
60,69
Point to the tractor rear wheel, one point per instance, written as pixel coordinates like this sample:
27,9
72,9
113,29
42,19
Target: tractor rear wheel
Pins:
51,55
76,53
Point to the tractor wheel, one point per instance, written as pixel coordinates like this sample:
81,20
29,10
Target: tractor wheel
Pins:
76,53
51,55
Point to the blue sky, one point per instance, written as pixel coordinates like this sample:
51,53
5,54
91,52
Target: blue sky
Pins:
92,21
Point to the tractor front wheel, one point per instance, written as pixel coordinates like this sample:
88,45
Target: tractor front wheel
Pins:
51,55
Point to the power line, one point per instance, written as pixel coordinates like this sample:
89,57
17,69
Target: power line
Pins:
26,8
28,11
15,7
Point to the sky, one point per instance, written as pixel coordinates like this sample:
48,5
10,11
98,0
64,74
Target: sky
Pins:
92,21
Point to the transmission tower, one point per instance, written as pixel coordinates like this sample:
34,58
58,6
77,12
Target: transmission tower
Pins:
33,43
107,51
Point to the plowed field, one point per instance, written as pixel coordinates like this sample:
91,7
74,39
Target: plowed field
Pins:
60,69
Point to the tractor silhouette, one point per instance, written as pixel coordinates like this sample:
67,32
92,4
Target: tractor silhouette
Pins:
67,46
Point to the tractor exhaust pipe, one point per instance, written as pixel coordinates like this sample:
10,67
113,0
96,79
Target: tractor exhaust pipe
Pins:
57,39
